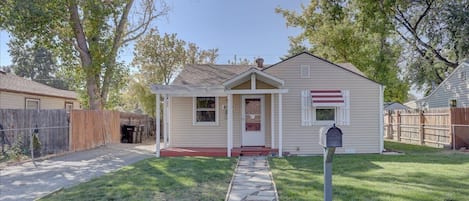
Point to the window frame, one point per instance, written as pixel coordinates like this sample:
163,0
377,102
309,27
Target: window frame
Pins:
323,122
302,66
68,103
32,100
450,103
195,110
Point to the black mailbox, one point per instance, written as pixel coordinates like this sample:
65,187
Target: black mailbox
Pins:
334,137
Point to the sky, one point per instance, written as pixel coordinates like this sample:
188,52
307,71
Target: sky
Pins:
245,28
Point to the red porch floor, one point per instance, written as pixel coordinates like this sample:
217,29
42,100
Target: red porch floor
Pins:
217,152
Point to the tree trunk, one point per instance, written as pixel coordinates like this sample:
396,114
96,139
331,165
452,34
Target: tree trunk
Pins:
95,102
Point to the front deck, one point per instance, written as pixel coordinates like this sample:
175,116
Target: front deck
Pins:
217,152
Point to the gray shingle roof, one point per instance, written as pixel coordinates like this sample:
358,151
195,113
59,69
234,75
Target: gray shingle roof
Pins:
214,74
208,74
13,83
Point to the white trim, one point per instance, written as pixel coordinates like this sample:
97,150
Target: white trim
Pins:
280,126
324,122
242,78
38,101
243,118
165,121
253,81
381,118
194,112
184,90
257,91
169,119
158,134
272,121
229,127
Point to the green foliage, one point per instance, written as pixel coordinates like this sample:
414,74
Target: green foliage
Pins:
434,34
36,63
16,151
158,59
351,31
85,35
36,145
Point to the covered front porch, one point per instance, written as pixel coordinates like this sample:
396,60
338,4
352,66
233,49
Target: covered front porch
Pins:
248,107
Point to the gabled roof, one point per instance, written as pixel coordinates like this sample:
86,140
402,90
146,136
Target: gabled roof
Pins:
466,63
15,84
216,75
346,66
246,75
208,74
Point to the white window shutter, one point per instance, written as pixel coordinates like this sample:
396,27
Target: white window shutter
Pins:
305,108
346,107
339,115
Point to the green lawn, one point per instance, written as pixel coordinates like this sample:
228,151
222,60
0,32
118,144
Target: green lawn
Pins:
420,174
179,178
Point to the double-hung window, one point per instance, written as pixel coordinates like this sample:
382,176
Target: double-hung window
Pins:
205,111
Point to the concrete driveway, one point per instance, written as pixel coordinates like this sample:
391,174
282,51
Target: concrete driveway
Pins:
26,182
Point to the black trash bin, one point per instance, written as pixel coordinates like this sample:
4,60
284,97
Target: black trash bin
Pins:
127,133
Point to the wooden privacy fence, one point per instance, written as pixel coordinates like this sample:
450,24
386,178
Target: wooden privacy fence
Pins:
433,127
92,128
52,130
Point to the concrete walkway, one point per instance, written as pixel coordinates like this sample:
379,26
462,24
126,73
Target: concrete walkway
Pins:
252,180
26,182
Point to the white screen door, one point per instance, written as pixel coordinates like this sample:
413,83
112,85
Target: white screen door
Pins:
253,121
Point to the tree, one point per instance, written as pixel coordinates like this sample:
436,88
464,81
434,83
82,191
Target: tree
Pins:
435,33
241,61
38,64
158,58
87,34
351,31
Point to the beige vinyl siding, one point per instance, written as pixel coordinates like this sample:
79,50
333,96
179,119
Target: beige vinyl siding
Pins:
9,100
361,136
259,85
184,134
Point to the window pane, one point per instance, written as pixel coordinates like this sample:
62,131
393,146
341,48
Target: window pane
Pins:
205,102
32,105
325,114
205,116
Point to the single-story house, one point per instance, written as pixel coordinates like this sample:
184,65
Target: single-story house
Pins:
282,106
395,106
452,92
20,93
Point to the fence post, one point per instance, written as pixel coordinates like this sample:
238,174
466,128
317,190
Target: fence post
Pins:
398,126
389,133
422,127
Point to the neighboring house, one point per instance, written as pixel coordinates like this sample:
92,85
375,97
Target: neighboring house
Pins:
282,106
452,92
411,104
20,93
394,106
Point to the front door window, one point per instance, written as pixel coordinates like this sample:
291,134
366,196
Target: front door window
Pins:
253,114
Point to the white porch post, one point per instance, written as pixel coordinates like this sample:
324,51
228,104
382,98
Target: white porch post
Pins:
165,120
272,121
158,134
280,126
229,126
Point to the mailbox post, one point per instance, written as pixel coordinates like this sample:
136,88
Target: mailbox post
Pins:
329,139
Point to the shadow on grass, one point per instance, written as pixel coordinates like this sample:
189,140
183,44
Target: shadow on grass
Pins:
428,176
183,178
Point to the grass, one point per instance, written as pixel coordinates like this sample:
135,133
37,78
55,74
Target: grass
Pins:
179,178
420,174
